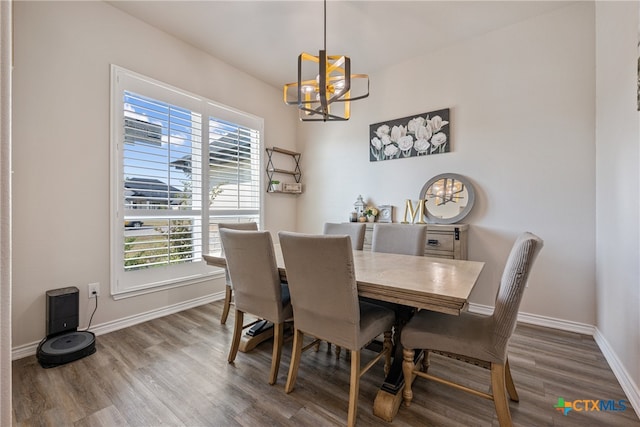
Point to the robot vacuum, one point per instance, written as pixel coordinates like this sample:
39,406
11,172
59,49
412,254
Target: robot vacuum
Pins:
64,343
65,348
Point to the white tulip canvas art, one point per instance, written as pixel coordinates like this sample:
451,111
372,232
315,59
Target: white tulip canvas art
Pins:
418,135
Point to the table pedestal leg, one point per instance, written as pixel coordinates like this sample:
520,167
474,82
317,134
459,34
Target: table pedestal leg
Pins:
261,331
389,396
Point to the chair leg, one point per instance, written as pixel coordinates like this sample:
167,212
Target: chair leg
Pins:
227,305
296,354
354,388
387,347
407,371
511,387
338,351
237,333
499,394
426,361
278,339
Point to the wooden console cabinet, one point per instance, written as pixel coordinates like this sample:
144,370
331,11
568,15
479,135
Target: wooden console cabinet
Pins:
443,240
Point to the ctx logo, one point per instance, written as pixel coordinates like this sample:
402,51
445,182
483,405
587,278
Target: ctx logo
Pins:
583,405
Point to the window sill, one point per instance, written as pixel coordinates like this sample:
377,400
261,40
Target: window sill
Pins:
158,287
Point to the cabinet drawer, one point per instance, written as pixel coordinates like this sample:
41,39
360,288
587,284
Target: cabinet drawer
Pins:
439,242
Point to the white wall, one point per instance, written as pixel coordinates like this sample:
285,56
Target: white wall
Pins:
522,114
63,51
618,184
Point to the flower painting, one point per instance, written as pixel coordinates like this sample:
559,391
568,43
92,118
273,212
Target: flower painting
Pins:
419,135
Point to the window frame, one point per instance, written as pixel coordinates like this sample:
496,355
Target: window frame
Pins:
145,280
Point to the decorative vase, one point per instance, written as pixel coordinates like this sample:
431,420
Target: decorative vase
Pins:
275,187
371,218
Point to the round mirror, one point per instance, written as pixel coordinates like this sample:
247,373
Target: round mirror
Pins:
448,198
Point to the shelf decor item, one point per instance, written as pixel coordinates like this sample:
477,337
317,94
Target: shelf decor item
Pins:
386,213
275,186
292,187
359,206
371,213
420,135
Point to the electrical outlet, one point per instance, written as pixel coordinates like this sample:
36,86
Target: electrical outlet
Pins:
94,290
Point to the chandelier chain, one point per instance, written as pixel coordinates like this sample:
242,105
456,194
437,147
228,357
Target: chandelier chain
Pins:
325,25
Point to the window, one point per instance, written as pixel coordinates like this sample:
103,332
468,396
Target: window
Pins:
180,165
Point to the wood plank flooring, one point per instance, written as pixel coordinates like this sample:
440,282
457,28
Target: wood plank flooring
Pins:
173,371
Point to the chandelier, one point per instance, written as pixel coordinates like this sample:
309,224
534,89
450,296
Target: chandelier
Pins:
446,190
325,84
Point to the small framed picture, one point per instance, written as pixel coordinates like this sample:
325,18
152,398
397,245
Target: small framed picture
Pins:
386,213
289,187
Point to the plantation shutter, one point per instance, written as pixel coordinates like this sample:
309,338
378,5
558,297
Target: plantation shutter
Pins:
161,196
180,164
234,159
234,175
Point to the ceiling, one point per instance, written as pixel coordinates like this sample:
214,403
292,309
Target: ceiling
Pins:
264,38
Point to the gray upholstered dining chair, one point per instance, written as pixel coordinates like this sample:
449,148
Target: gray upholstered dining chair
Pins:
325,303
251,263
472,338
355,230
229,287
404,239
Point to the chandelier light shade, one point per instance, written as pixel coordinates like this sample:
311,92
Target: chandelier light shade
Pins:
325,86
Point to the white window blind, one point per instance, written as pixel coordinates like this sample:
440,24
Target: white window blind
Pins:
166,198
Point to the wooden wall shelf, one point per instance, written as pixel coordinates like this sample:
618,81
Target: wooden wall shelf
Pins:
272,170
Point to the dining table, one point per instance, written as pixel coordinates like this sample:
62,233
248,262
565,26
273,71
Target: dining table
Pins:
410,282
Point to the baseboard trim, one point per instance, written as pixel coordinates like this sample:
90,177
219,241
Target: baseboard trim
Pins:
537,320
630,389
30,349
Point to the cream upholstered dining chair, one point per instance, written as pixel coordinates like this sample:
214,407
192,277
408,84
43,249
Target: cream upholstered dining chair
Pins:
472,338
251,262
325,303
355,230
229,287
404,239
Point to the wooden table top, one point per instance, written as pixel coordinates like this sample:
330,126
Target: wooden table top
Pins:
436,284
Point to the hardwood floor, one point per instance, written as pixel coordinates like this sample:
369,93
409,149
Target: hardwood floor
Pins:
173,371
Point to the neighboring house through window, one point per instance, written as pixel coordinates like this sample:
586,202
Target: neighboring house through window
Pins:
180,165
